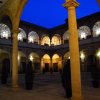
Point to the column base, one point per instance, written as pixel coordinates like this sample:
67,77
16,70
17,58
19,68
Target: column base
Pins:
15,88
77,98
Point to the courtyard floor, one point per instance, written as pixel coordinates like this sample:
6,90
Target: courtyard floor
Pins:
46,87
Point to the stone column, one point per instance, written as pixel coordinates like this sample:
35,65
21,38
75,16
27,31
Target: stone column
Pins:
74,50
15,59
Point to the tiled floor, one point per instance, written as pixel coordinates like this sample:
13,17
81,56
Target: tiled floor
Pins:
46,87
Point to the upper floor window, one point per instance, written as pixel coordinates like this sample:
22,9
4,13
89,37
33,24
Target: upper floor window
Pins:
4,31
83,32
56,40
33,37
45,41
96,29
21,35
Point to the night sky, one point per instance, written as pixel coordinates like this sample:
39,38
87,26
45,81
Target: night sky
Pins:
51,13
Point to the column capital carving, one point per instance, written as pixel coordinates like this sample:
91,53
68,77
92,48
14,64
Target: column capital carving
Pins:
71,3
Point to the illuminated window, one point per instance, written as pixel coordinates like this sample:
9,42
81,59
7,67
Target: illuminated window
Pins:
83,32
33,37
56,40
96,29
4,31
21,35
45,41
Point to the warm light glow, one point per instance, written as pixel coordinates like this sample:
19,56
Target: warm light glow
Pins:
98,31
82,56
21,35
83,35
4,31
55,40
98,53
18,57
33,37
69,57
55,56
45,41
31,58
46,56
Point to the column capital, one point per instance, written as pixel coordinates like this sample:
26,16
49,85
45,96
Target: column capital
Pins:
15,31
71,3
98,2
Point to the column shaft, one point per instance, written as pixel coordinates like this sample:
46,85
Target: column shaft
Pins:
74,54
15,60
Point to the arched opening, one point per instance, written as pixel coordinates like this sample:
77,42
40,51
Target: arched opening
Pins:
84,32
98,57
66,57
4,55
57,62
4,31
83,61
21,35
56,40
5,27
33,37
45,63
45,41
34,57
65,37
96,29
21,62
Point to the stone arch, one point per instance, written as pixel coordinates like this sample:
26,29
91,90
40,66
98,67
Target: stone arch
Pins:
3,55
45,40
33,37
56,62
35,58
45,62
66,56
65,37
56,40
96,29
4,31
84,32
21,35
21,61
83,60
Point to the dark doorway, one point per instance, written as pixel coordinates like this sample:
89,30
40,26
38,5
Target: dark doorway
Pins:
23,65
55,67
46,67
36,67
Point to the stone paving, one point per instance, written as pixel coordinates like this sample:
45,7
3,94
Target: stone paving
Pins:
46,87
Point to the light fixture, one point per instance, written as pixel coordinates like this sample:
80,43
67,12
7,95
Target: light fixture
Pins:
82,56
31,58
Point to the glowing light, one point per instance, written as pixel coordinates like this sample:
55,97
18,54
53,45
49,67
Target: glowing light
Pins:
82,56
98,31
98,54
83,35
31,58
69,57
4,31
18,57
